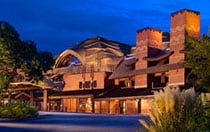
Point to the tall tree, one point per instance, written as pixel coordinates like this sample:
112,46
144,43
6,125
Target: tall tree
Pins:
198,60
35,62
46,60
16,54
8,38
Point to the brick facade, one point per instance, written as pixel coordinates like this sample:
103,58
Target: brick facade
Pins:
184,22
148,43
72,81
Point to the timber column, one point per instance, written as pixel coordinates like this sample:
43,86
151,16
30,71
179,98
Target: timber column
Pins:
148,44
183,22
32,97
45,99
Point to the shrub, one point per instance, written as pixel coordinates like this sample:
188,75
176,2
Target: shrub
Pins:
17,110
175,110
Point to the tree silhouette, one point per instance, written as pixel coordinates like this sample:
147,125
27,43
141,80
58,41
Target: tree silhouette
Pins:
198,60
20,56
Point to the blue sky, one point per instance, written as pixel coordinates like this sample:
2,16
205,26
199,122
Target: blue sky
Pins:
55,25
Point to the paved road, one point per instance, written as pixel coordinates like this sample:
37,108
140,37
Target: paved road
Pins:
74,122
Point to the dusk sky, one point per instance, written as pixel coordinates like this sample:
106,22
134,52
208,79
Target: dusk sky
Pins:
55,25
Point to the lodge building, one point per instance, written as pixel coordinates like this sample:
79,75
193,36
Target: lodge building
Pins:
99,75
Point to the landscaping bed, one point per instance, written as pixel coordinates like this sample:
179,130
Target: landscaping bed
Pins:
18,110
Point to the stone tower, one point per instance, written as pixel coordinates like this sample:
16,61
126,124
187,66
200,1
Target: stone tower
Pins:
183,22
148,43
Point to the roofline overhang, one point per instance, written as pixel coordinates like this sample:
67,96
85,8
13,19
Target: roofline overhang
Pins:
69,96
27,86
122,98
167,54
153,69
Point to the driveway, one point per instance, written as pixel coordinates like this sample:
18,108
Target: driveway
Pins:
74,122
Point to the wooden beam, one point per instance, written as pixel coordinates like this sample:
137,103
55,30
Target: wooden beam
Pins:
31,97
93,105
22,93
45,99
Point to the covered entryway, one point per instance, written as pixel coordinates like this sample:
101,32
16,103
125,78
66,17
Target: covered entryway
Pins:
36,95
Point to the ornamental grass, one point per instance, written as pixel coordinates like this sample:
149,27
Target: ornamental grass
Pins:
174,110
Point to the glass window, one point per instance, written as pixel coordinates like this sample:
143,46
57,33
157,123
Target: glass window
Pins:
87,84
122,83
133,83
80,84
94,84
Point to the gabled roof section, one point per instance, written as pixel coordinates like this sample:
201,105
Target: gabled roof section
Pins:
161,56
125,67
122,72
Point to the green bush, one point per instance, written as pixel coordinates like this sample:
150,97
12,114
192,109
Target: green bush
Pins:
17,110
174,110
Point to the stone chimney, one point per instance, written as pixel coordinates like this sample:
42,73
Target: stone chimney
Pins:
183,22
148,44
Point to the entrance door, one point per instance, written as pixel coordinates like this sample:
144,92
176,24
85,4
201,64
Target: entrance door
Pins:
122,106
85,105
82,104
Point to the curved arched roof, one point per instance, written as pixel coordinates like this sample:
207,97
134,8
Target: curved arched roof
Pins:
65,56
90,49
